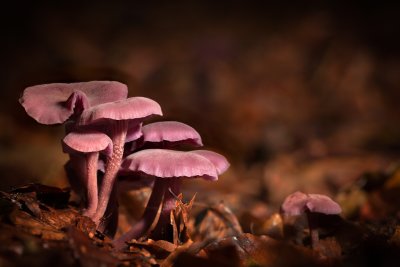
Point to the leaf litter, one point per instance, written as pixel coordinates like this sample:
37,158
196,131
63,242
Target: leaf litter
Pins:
38,221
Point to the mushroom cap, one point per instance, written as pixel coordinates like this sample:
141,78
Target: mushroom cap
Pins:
133,108
87,142
298,202
171,131
322,204
164,163
294,204
56,102
219,161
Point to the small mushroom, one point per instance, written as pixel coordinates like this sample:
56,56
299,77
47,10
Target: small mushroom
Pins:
299,203
168,134
90,144
169,168
56,102
115,118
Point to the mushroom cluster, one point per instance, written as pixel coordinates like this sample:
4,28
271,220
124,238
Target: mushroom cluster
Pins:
106,139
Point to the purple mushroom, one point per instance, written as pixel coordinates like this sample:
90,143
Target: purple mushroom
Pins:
299,203
89,144
168,134
115,118
169,168
56,102
294,204
163,134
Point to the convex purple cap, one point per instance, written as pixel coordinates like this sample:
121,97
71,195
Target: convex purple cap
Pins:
298,203
133,108
56,102
172,132
164,163
87,142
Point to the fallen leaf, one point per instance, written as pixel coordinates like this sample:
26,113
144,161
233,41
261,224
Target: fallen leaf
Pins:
216,222
180,220
86,252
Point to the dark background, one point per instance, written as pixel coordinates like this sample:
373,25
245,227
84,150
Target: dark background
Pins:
257,79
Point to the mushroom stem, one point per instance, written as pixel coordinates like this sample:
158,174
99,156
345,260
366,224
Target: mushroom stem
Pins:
312,219
108,226
76,174
118,136
148,217
163,228
91,171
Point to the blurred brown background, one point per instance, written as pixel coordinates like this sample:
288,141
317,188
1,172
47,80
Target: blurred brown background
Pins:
259,80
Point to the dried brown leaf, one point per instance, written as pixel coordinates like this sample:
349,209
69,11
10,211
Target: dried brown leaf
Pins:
39,219
35,226
49,195
264,251
169,261
159,248
180,220
273,226
86,252
216,222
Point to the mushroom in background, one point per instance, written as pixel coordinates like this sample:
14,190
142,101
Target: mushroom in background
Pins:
312,205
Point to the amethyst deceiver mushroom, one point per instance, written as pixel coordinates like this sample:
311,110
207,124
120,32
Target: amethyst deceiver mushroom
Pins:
84,149
299,203
163,134
169,167
115,118
57,102
168,134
